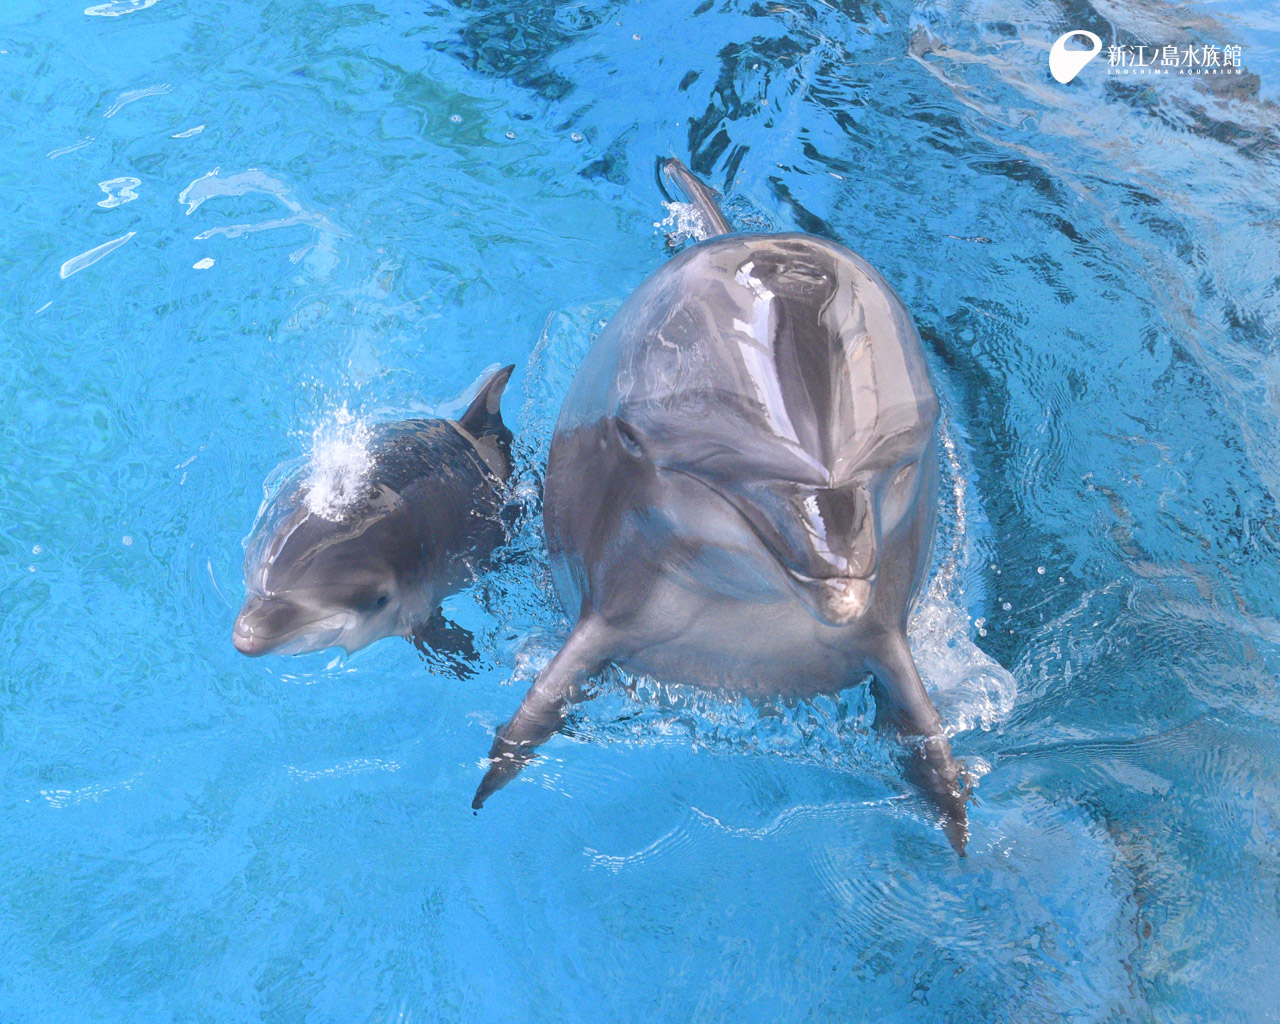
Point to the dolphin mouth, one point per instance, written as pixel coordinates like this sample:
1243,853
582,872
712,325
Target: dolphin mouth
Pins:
836,600
250,638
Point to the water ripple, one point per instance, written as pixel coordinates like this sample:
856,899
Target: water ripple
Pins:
89,258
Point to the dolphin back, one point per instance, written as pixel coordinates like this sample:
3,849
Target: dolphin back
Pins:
788,342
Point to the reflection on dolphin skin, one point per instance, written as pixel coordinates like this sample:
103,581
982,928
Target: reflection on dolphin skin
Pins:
741,492
377,558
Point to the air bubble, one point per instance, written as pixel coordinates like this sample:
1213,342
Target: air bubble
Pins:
126,540
456,118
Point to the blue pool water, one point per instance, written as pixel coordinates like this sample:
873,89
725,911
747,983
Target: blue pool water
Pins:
224,223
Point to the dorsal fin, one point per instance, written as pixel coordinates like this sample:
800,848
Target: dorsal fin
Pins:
483,417
701,197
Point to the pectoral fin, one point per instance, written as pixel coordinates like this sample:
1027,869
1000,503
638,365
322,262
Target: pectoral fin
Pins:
446,644
543,710
903,706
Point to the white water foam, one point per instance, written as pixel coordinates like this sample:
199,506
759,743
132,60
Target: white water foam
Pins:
683,222
340,462
971,689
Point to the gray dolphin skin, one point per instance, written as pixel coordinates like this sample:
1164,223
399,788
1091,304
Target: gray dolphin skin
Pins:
741,492
421,519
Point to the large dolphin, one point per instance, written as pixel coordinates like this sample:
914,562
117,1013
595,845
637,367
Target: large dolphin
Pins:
421,518
741,491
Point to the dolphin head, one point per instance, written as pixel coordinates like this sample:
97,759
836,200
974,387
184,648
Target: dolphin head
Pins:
831,530
314,581
791,381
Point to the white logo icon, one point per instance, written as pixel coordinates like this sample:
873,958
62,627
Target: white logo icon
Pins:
1065,64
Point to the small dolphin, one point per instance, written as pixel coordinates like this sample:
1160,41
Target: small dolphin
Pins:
413,531
741,491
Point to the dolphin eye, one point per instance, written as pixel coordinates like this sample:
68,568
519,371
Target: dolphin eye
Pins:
627,437
370,601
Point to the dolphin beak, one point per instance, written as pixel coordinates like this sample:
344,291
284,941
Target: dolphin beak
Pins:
844,599
276,625
247,643
242,634
263,625
836,600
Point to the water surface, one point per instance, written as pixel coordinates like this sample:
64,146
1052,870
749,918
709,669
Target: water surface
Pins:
223,224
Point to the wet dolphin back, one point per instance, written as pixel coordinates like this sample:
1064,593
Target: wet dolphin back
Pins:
787,332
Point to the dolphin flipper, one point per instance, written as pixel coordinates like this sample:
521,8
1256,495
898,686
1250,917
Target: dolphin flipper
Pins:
903,705
543,710
440,640
701,197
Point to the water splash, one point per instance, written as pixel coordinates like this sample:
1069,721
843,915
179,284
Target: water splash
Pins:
971,689
683,223
830,731
340,462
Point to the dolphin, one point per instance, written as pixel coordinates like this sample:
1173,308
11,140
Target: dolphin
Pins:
741,492
412,529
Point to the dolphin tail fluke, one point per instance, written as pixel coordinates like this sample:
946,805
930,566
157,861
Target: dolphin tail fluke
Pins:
483,417
698,194
543,710
903,705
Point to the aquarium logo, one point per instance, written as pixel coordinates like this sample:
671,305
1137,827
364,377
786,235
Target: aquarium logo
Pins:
1130,59
1065,64
1208,59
